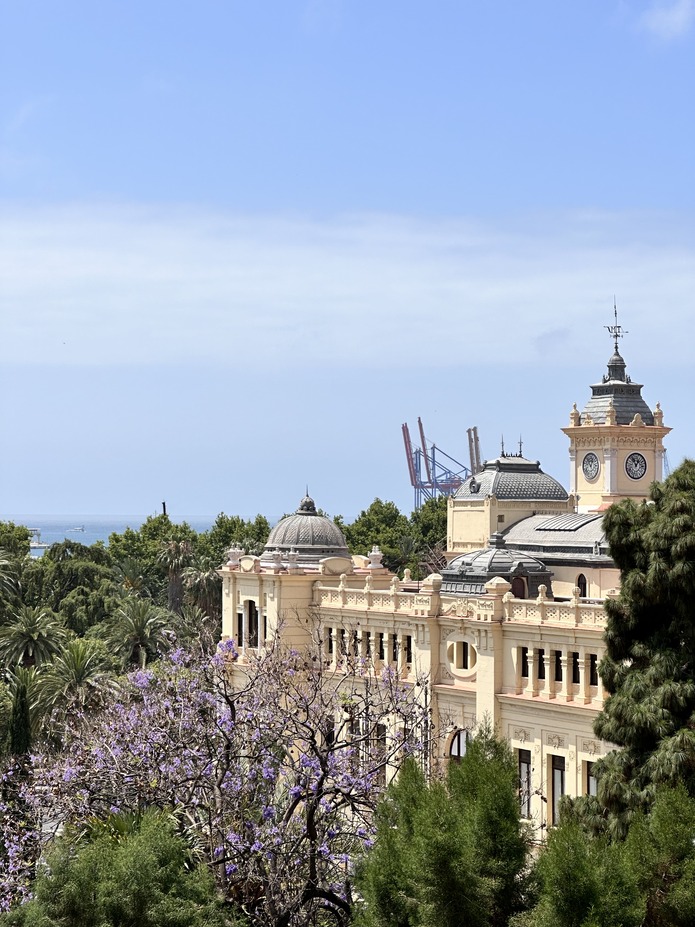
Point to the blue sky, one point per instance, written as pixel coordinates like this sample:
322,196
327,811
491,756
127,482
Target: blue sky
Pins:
241,243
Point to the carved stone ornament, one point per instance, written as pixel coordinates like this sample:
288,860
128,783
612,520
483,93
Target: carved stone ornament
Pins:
591,746
521,734
555,741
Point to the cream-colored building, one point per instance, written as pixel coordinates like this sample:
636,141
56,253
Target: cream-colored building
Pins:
512,628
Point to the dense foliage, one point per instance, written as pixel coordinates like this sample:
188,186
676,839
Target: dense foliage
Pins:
274,780
649,667
646,880
124,871
450,851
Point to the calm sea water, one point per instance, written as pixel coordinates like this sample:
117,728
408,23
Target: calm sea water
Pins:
85,529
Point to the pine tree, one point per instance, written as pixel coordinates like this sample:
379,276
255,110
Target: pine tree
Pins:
649,667
452,852
19,730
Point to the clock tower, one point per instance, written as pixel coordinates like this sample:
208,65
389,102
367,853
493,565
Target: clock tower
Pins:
616,443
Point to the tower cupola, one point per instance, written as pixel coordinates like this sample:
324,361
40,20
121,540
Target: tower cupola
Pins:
616,442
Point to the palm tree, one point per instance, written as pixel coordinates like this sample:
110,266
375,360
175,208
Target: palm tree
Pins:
204,586
27,678
175,555
33,637
8,575
130,575
196,630
80,675
139,631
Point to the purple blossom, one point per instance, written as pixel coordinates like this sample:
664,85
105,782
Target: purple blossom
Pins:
182,737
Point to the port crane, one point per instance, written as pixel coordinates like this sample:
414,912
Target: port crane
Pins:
432,471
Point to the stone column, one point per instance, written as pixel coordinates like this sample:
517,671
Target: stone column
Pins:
532,685
566,684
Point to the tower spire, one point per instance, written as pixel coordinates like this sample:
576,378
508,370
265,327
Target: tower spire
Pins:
616,331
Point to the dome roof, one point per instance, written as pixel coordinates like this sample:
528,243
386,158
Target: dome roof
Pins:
313,536
512,477
468,573
618,390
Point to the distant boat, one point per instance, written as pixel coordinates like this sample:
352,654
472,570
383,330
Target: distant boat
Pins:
35,542
78,528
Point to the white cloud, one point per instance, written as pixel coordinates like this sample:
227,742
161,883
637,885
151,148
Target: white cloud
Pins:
668,21
113,284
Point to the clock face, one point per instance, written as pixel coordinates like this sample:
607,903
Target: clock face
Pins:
590,466
635,466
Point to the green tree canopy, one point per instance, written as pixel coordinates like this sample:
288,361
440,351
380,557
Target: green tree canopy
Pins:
14,539
124,872
647,880
448,852
231,530
143,547
73,580
385,525
649,666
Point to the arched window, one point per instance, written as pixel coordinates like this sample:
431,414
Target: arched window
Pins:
581,585
459,745
519,587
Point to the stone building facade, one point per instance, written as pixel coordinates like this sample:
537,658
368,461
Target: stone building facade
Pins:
512,628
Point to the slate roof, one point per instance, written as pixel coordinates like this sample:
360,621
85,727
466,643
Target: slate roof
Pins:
618,388
512,477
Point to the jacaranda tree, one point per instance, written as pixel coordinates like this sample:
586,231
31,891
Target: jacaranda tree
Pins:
274,778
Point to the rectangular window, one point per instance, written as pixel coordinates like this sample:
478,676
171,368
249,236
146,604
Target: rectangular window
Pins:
343,644
240,629
575,668
408,649
558,783
367,637
558,666
591,783
524,662
394,648
355,644
525,783
593,670
541,664
329,631
381,646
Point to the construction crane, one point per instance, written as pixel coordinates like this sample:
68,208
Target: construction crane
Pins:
432,471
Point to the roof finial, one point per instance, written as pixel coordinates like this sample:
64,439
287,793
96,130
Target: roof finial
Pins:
521,447
616,331
502,451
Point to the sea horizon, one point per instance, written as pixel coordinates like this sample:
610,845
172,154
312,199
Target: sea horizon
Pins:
90,528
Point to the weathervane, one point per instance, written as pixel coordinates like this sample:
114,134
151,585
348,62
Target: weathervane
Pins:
616,331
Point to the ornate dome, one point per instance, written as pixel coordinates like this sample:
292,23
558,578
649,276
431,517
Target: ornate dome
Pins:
468,573
512,477
618,390
313,536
